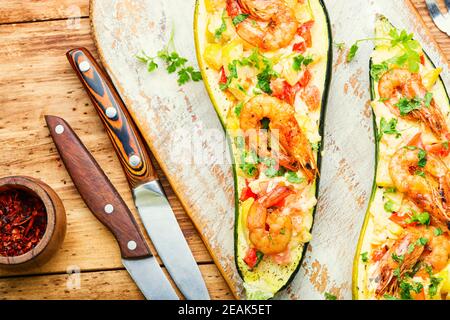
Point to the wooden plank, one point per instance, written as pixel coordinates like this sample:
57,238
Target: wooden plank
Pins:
441,38
104,285
12,11
37,79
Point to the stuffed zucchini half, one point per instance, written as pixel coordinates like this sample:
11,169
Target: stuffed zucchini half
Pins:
266,66
404,248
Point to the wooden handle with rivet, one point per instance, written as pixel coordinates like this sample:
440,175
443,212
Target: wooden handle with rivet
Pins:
97,191
112,111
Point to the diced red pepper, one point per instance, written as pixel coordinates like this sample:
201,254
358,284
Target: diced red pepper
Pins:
378,254
305,79
305,32
439,149
223,77
418,296
285,91
422,59
401,219
233,8
299,47
251,258
247,193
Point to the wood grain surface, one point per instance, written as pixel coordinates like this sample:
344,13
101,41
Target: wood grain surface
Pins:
36,79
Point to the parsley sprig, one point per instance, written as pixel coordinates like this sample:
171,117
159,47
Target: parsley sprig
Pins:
173,61
402,39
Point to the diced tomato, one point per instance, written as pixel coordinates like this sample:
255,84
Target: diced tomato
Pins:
299,47
378,254
251,258
422,59
416,141
233,8
305,79
311,95
284,91
305,32
401,219
247,193
418,296
439,149
223,76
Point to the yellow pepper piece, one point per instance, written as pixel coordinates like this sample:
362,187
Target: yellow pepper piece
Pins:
430,78
213,55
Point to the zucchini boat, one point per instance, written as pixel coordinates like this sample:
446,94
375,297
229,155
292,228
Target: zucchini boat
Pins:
266,66
404,247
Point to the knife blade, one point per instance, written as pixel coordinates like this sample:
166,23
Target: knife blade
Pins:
440,20
109,208
154,209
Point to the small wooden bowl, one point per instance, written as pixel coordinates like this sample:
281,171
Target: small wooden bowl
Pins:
56,223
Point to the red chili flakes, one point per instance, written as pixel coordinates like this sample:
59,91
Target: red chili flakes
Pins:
23,220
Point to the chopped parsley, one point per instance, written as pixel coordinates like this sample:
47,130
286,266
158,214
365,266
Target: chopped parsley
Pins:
405,105
238,109
266,76
438,232
421,218
434,285
388,127
239,18
389,206
223,27
364,257
293,177
329,296
428,98
377,70
422,158
398,258
300,61
422,241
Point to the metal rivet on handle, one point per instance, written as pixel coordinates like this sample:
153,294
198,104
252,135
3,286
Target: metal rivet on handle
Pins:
134,160
84,66
59,129
111,112
132,245
109,208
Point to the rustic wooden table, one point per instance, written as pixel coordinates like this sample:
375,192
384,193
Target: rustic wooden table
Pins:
36,79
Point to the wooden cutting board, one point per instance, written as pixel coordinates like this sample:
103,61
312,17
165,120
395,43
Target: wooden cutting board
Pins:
184,133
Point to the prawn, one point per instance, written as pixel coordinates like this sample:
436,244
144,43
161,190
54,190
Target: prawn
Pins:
388,278
270,232
280,22
430,190
398,83
406,252
282,120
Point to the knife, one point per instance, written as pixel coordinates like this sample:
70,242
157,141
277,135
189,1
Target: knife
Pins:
106,204
442,21
150,199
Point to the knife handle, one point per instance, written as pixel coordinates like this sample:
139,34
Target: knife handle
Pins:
97,191
117,121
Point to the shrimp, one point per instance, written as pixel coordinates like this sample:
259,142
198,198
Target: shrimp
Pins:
430,192
407,251
437,251
398,83
281,23
270,232
390,262
282,120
